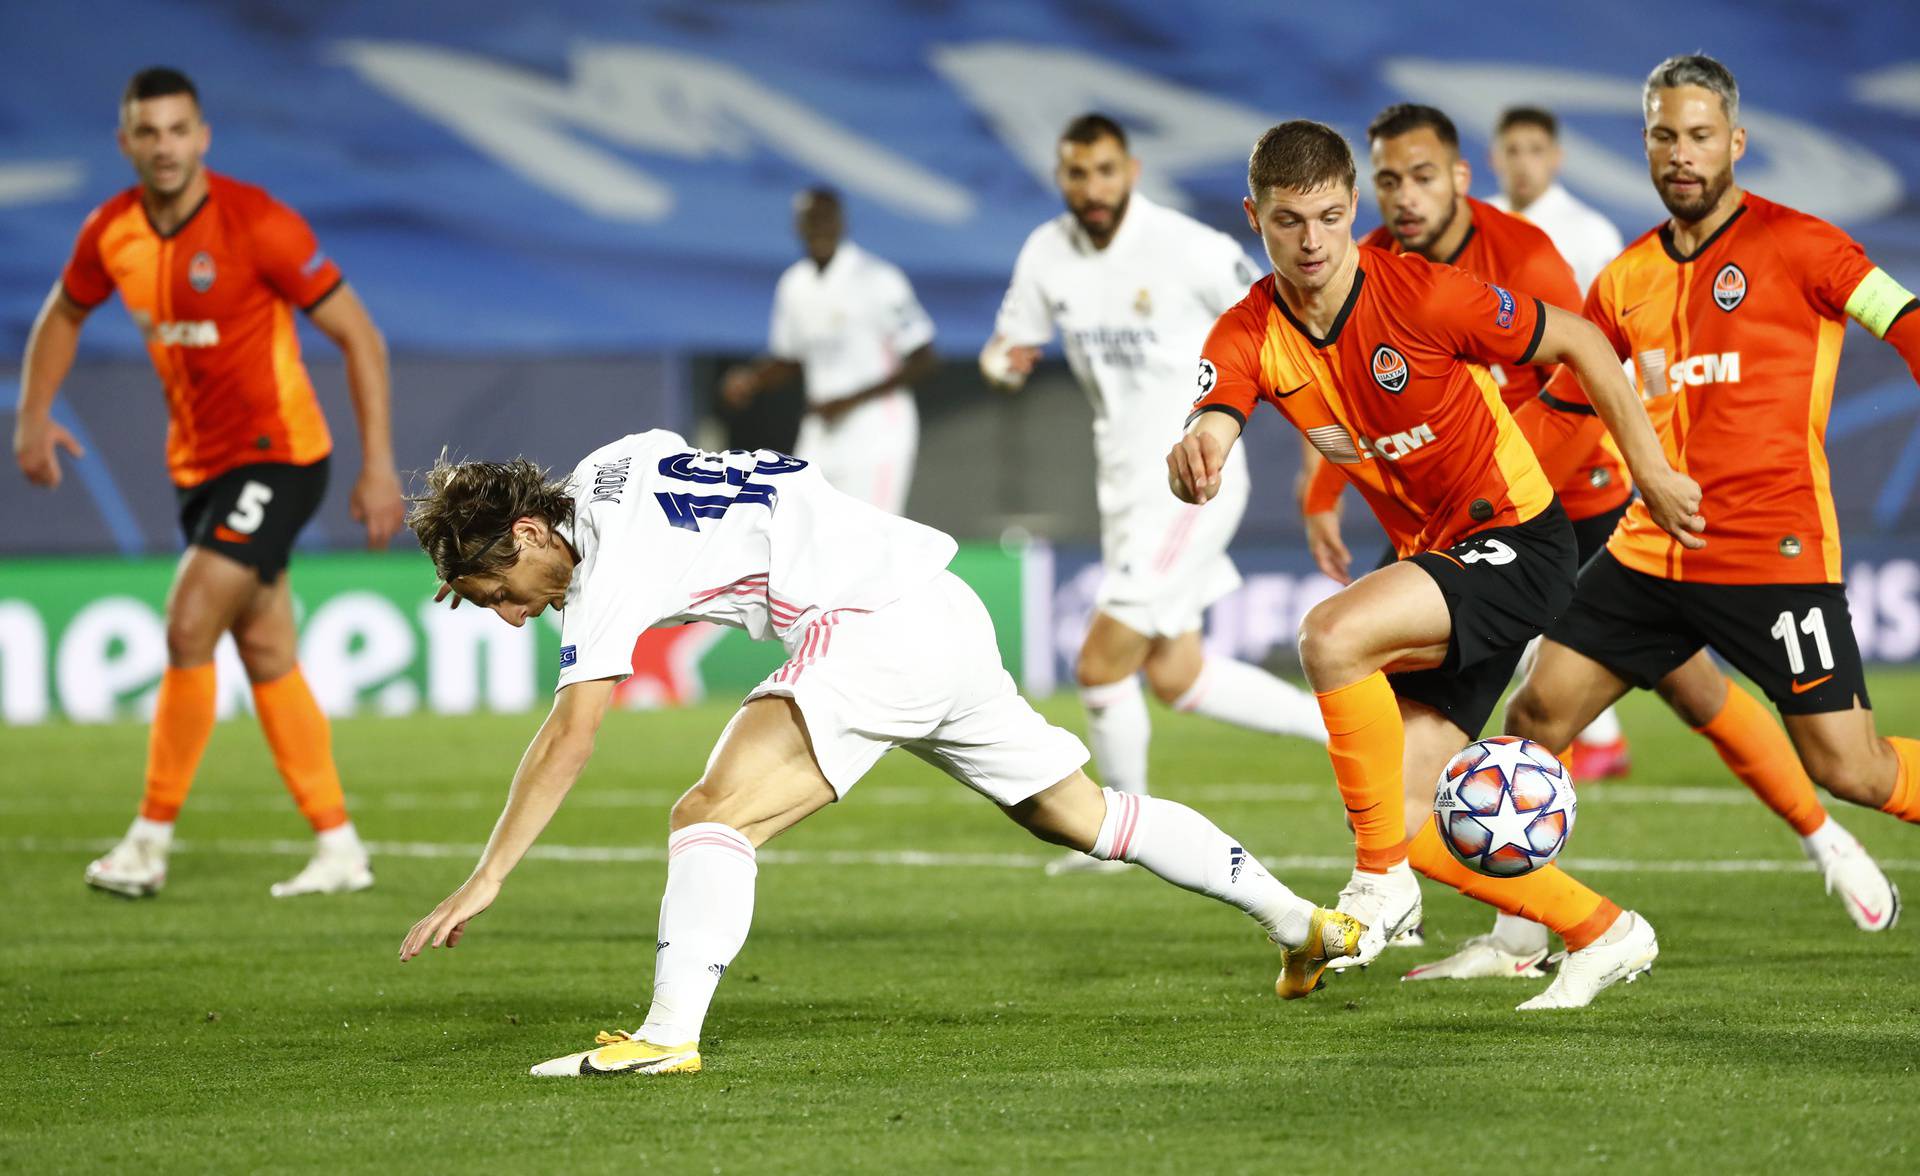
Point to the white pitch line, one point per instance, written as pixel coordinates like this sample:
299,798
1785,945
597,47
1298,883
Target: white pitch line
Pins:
857,857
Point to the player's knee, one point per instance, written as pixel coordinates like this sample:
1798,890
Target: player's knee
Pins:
266,657
698,805
1330,646
1170,678
190,638
1531,716
1069,813
1098,667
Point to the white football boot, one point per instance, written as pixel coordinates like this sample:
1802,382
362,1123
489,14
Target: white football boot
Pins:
1626,952
1075,862
1871,898
1484,958
135,868
1386,903
328,871
1414,936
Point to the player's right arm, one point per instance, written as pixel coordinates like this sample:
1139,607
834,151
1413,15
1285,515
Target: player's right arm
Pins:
51,346
742,383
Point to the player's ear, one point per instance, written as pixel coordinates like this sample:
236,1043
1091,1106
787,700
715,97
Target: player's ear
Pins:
1739,143
1253,214
1462,175
1133,170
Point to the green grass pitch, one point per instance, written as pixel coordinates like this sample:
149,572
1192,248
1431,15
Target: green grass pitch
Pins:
953,1010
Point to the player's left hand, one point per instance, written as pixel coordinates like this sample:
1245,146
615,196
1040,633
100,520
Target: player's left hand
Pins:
831,411
376,501
1329,551
448,922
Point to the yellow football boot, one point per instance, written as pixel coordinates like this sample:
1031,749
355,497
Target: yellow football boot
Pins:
620,1053
1330,936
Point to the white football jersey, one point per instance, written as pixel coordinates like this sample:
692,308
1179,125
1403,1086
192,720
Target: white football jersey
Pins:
847,326
1133,317
755,540
1583,236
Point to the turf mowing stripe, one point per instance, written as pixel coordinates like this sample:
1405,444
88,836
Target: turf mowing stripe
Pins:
854,857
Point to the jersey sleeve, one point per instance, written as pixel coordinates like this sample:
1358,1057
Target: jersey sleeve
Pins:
601,625
1831,264
1479,321
1602,309
1024,320
908,325
85,278
1225,274
1548,277
290,258
1229,368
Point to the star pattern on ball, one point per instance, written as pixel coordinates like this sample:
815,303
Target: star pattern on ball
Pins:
1507,827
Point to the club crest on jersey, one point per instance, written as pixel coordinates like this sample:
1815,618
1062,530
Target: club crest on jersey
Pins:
1143,303
1208,378
1389,368
200,272
1729,287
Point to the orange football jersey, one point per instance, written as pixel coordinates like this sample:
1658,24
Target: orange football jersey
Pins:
1735,349
1518,255
1398,395
215,301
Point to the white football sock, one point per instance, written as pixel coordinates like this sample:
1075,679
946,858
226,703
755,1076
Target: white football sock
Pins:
158,832
1186,849
1604,729
1827,840
704,917
1517,935
1118,731
1247,696
343,839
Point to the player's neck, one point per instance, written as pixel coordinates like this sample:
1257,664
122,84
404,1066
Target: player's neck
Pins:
168,213
1318,310
1689,236
1448,244
1517,206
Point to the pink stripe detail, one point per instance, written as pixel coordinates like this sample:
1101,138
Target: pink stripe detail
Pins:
709,594
1177,539
675,849
1132,823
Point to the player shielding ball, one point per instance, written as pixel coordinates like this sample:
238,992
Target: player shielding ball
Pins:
211,271
1381,361
888,650
1733,312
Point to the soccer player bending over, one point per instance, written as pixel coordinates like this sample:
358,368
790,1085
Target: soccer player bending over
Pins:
889,649
1381,359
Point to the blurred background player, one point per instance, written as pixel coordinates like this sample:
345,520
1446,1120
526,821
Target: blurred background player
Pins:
1734,311
1526,158
849,322
1132,288
888,649
211,270
1381,361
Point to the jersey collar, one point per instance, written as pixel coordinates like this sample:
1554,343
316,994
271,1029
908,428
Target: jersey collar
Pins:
1666,236
1339,320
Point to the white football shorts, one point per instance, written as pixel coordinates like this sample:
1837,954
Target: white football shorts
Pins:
1164,561
868,453
922,673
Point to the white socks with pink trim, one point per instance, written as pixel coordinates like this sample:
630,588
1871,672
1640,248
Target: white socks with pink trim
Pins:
704,918
1117,732
1188,850
1247,696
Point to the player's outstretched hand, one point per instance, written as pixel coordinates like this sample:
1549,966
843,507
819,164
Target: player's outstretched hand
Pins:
1193,468
376,501
36,445
1673,499
1330,553
737,387
448,922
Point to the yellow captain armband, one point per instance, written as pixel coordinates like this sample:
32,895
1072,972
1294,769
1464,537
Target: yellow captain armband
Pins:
1877,301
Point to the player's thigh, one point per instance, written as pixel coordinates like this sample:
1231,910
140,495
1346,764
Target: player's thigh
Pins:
762,778
209,593
265,632
1564,690
1845,754
1111,650
1173,664
1395,618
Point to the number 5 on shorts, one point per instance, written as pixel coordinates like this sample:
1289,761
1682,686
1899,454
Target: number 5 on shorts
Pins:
251,509
1815,626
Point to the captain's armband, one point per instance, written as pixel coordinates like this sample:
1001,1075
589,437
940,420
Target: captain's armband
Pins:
1877,301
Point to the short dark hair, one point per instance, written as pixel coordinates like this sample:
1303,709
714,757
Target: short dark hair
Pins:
819,194
1404,118
158,81
1528,116
1092,127
1695,69
465,519
1301,155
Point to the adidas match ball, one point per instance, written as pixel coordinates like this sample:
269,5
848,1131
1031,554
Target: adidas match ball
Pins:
1504,806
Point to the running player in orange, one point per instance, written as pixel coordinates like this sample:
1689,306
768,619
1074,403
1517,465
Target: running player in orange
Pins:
1381,361
1733,313
1421,185
211,271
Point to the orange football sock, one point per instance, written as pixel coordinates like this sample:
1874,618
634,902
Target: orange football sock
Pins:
302,746
1905,801
182,724
1549,895
1755,749
1366,742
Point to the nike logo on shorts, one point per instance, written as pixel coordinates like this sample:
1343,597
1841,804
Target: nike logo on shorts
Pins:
1802,688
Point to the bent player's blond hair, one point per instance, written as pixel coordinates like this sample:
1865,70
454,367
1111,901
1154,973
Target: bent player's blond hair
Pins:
1695,69
1300,156
465,518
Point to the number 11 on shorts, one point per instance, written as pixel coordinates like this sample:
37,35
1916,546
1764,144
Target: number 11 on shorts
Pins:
1814,626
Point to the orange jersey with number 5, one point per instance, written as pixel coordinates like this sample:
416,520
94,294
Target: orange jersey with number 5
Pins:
1397,396
215,300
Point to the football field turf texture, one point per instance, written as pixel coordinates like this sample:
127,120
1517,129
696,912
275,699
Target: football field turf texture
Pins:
915,995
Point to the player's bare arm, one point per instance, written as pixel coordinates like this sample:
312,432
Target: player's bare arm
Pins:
915,368
50,350
546,774
744,382
1672,498
376,501
1193,468
1006,365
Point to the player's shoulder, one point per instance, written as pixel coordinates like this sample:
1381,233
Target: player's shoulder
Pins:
1379,239
1249,315
632,447
1051,239
1509,232
1790,224
1645,253
113,207
872,265
239,197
